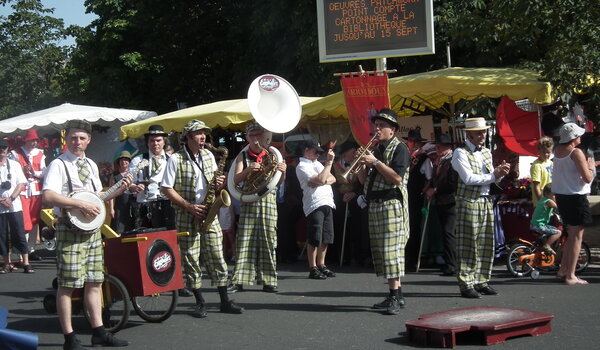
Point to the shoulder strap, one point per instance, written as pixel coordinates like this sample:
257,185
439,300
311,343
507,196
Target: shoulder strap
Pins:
68,176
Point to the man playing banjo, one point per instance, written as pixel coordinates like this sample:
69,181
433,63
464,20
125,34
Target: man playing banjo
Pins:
79,252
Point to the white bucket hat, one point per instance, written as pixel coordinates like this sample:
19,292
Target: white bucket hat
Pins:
475,124
570,131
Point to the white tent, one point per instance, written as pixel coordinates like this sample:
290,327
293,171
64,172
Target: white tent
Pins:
55,117
51,120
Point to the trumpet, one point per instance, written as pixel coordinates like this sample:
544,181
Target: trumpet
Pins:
355,166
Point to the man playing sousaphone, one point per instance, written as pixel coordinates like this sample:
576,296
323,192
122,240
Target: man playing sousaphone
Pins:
257,228
188,177
79,253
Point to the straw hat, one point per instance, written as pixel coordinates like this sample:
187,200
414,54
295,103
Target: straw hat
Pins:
475,124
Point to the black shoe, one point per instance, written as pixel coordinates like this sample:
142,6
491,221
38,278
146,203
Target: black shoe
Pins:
387,302
316,274
199,311
270,289
35,256
487,290
234,288
470,293
229,307
108,339
327,272
184,292
394,306
73,345
448,271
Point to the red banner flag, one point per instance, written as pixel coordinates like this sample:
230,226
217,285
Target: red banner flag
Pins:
364,96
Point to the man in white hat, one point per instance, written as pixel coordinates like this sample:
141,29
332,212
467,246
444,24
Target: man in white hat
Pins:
474,211
257,227
153,208
188,175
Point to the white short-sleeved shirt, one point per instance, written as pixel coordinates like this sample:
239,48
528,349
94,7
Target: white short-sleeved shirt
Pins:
16,177
56,176
168,180
152,191
313,197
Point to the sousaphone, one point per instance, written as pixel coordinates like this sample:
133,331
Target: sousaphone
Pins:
275,105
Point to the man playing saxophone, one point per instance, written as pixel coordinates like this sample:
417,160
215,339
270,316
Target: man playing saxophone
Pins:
257,227
188,176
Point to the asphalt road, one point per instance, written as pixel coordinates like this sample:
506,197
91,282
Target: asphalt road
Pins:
330,314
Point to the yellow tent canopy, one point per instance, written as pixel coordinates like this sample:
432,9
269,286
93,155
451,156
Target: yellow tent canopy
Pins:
440,90
229,114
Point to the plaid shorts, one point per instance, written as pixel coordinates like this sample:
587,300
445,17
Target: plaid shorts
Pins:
80,257
388,235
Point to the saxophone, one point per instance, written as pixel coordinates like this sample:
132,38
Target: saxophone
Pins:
214,201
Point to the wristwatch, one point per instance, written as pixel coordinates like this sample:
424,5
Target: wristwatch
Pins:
374,164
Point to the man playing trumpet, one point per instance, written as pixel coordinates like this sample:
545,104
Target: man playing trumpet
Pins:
257,228
384,181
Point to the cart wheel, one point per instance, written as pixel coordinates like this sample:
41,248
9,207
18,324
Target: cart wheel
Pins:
155,307
115,304
516,268
535,274
50,303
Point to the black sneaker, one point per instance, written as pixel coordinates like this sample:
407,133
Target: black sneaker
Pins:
199,311
234,288
229,307
73,345
394,306
387,302
326,271
108,339
316,274
269,288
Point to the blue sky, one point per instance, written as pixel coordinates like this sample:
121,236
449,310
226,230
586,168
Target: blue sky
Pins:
71,11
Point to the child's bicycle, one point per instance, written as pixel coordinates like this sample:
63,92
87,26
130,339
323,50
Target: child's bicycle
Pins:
525,258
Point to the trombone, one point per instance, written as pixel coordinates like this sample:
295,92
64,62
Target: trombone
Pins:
355,166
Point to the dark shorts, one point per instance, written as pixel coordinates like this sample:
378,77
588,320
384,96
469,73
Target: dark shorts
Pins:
319,225
574,209
11,224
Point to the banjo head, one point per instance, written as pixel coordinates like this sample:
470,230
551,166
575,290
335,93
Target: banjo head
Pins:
82,221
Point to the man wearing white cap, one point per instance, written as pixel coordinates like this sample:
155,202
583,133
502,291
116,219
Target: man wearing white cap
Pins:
188,175
474,211
572,175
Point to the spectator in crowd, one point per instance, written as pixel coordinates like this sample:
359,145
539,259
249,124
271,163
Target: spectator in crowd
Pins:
385,190
12,182
541,168
33,162
571,177
290,212
442,188
415,185
317,202
121,206
540,220
349,215
475,217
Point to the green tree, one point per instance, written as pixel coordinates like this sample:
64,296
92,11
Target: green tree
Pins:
31,57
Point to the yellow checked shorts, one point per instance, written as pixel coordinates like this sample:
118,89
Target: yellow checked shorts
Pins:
80,257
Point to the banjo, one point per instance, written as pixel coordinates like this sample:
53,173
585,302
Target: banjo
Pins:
89,224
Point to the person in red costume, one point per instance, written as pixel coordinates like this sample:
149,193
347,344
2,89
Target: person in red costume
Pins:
33,163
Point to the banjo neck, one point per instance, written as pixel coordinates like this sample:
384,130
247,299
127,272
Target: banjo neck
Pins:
142,164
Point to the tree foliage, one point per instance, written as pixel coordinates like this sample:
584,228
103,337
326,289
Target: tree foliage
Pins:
152,54
31,57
